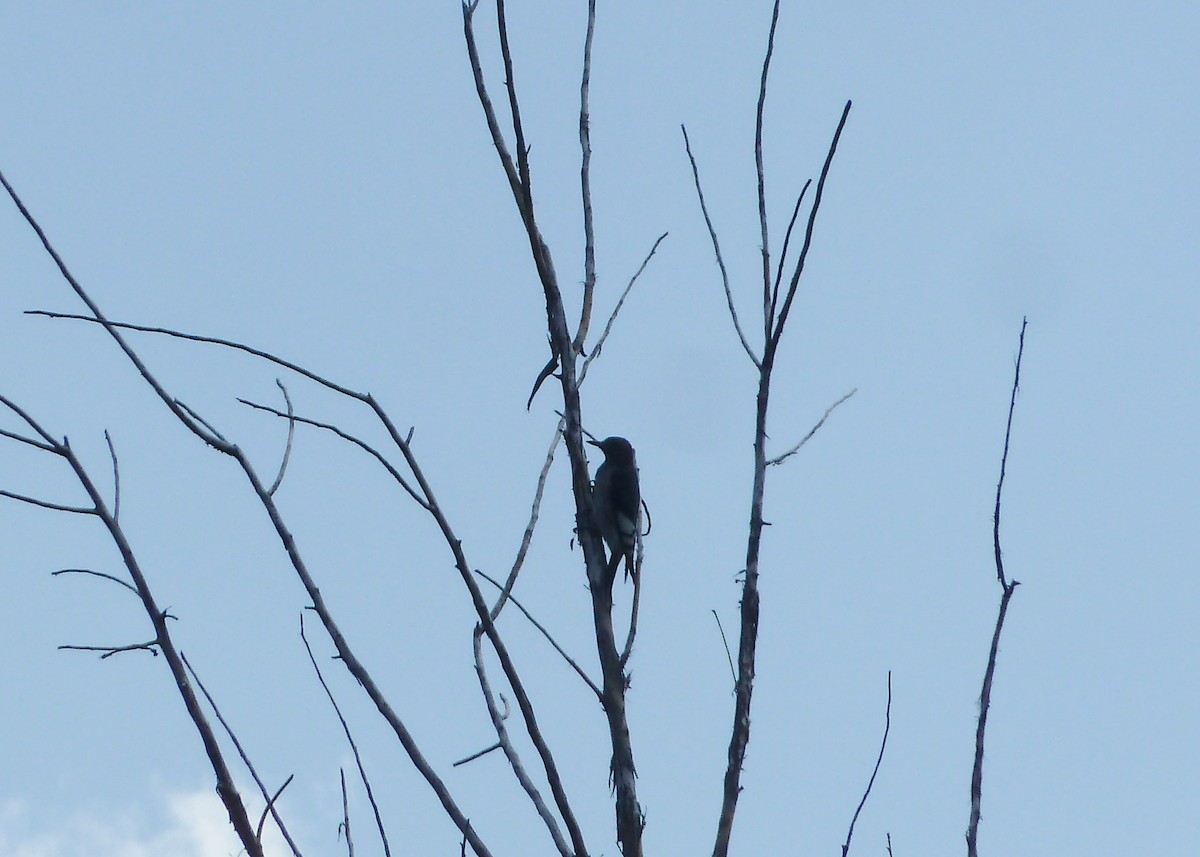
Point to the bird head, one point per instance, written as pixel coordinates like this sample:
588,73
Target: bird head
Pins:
616,449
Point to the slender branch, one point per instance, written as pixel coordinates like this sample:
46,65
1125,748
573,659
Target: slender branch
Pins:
46,504
207,340
344,435
570,661
768,317
287,449
112,453
269,809
725,641
779,459
787,240
712,233
45,447
109,651
527,537
887,727
510,752
631,634
346,814
102,574
1012,405
617,309
585,181
777,331
1009,587
489,111
510,84
267,797
180,413
362,771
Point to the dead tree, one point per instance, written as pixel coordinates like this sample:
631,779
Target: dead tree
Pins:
572,348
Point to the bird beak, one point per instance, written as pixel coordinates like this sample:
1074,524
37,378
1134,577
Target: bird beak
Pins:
593,443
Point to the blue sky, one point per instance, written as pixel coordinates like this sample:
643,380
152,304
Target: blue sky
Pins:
318,181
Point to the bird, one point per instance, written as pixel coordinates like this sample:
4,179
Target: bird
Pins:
617,500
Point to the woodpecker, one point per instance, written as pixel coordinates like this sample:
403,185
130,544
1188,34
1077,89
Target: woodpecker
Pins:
617,500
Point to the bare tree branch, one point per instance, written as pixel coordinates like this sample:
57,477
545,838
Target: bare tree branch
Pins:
787,240
1008,587
527,537
781,319
362,771
779,459
46,504
762,181
510,752
585,181
102,574
112,453
346,814
712,233
287,449
570,661
344,435
887,727
109,651
268,799
617,309
725,642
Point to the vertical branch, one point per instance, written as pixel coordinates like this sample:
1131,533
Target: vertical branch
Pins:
774,323
1008,587
887,727
768,317
585,181
629,821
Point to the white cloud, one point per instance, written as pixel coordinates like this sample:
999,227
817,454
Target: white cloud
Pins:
190,824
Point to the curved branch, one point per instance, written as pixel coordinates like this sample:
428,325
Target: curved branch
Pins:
712,233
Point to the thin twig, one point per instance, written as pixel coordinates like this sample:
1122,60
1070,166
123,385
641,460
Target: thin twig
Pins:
781,320
585,181
287,449
102,574
534,513
510,84
887,726
466,760
787,240
631,634
510,752
725,642
344,827
712,233
344,435
112,453
262,787
207,340
768,317
46,504
362,771
1008,587
1012,405
779,459
45,447
570,661
109,651
270,807
616,309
